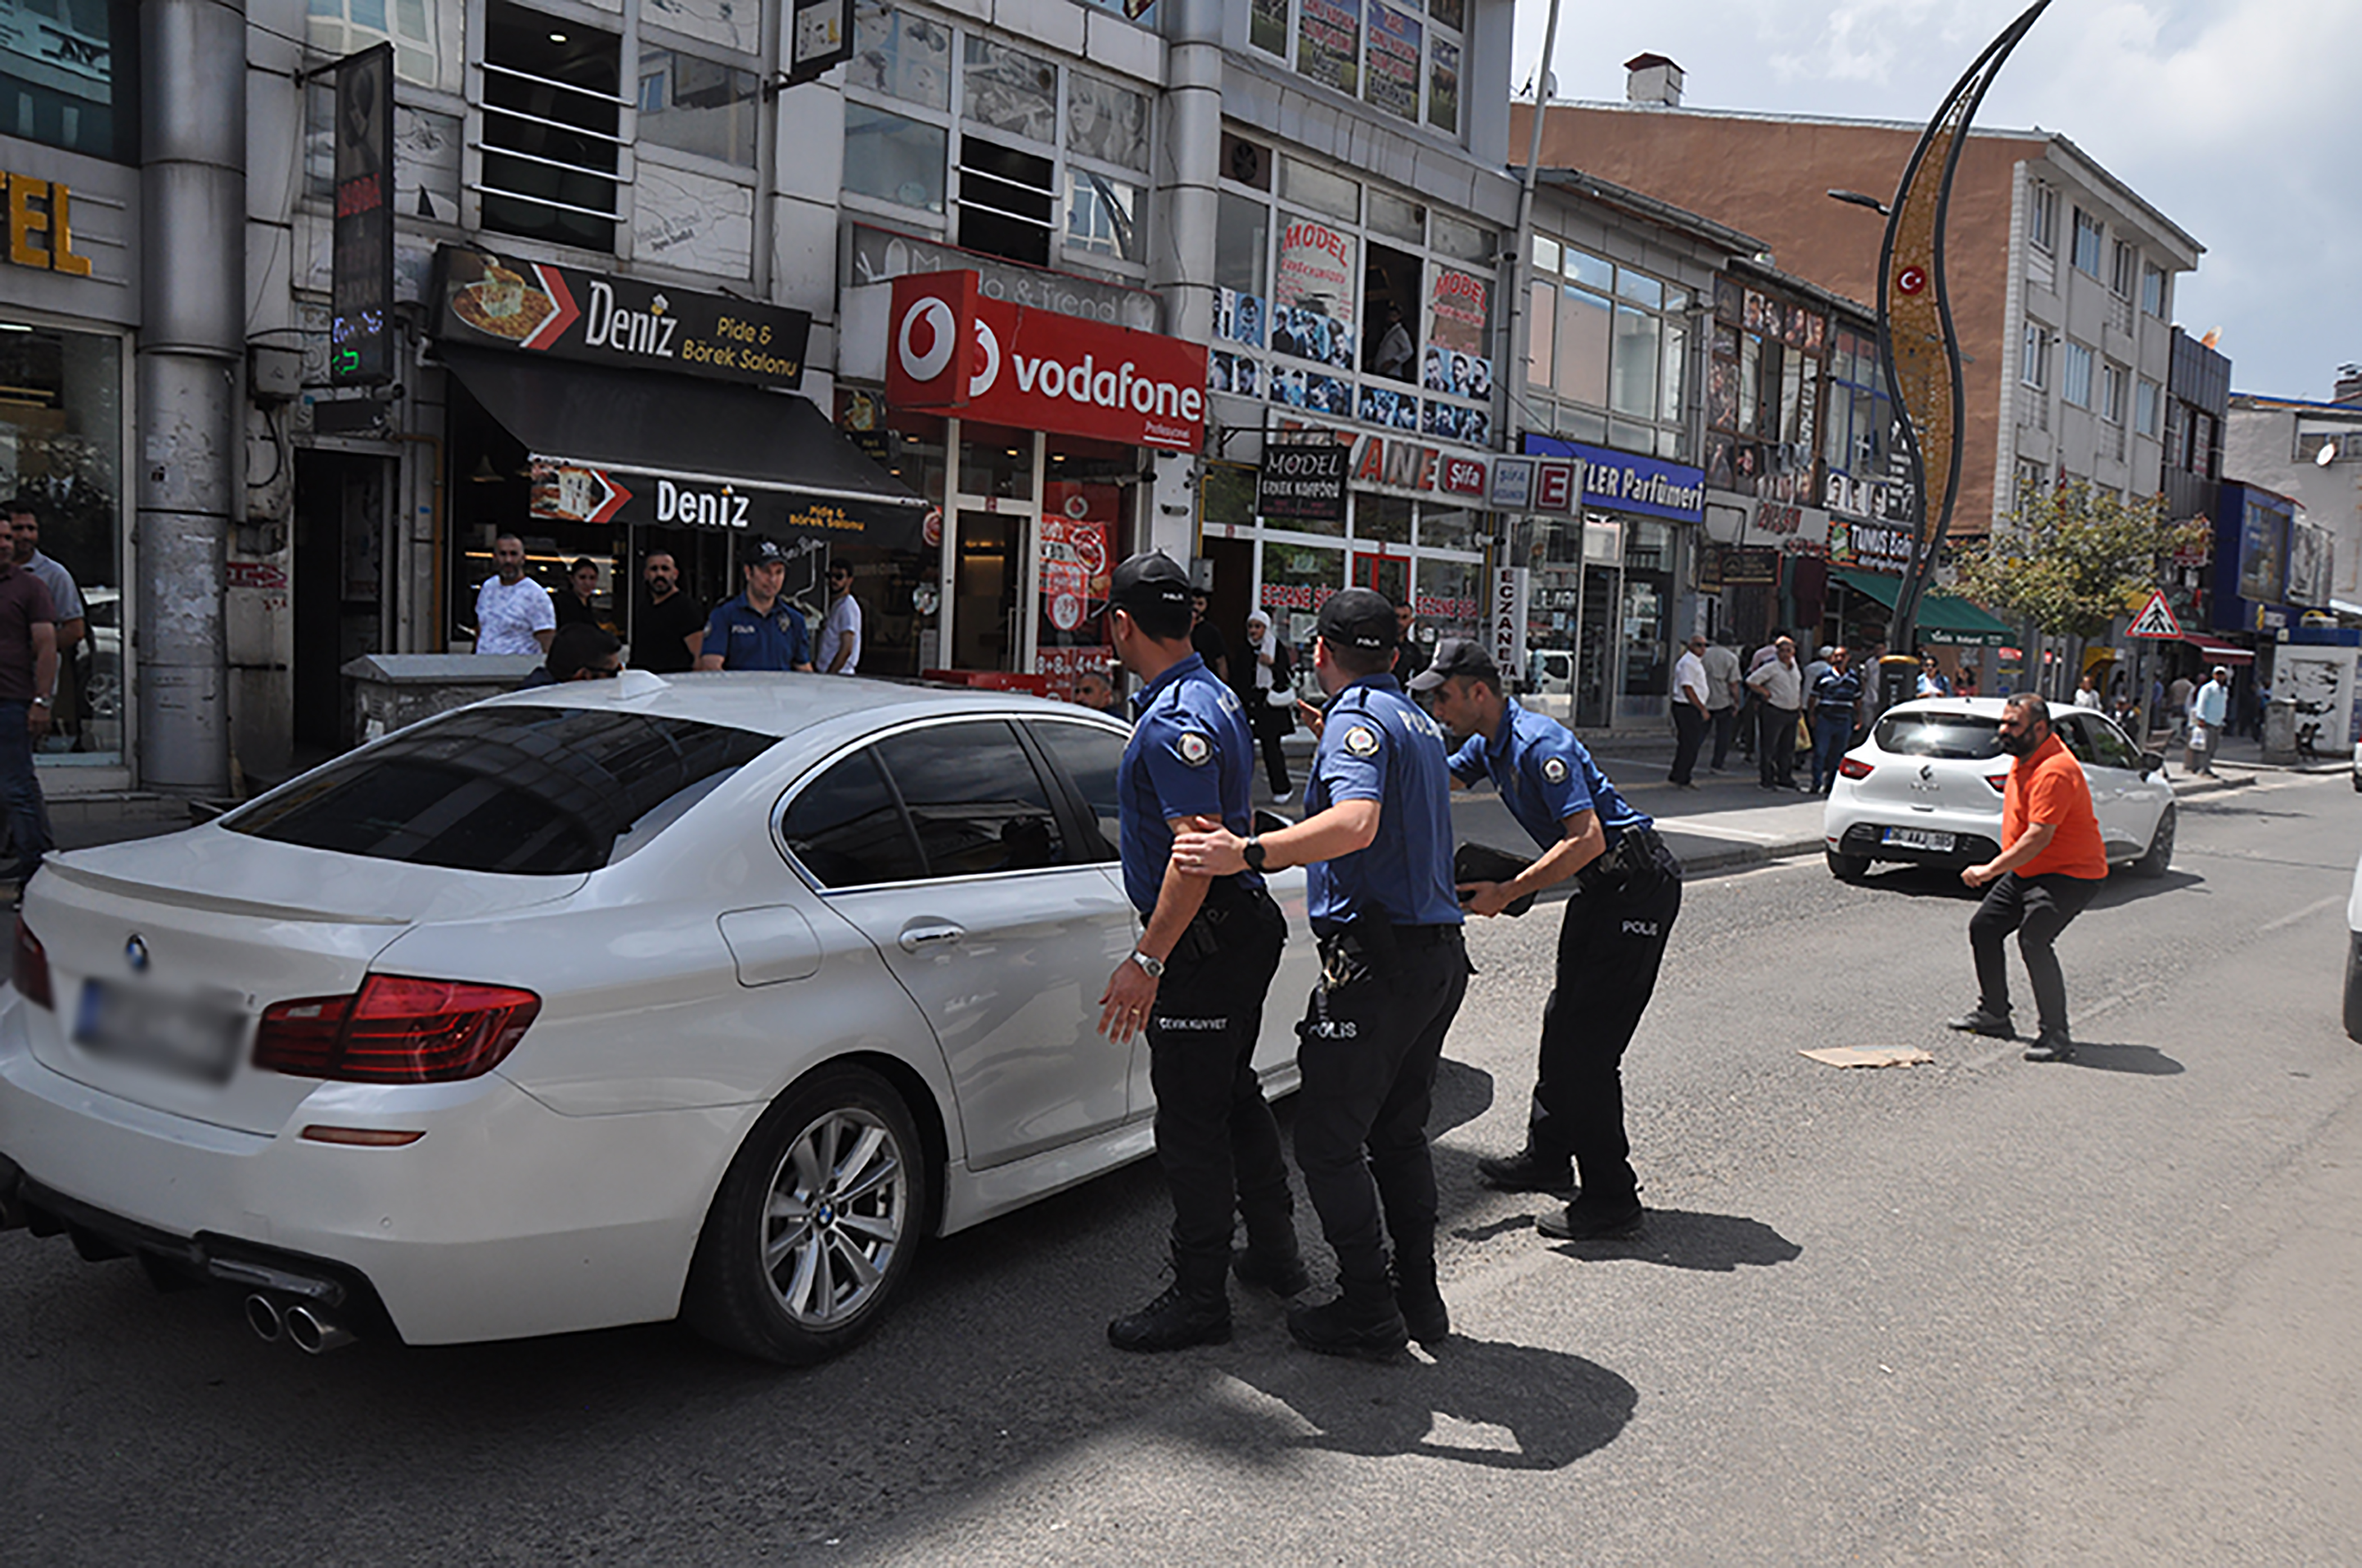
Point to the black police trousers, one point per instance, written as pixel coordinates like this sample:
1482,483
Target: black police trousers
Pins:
1371,1038
1609,946
1215,1135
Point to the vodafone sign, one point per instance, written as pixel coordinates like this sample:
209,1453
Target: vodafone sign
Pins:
954,352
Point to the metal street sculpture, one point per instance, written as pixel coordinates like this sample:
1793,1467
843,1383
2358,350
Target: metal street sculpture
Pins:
1916,341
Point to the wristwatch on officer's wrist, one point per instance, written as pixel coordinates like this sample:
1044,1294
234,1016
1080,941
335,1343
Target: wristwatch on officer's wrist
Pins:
1252,852
40,702
1152,967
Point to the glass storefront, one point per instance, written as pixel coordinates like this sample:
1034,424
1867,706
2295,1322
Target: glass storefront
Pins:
62,396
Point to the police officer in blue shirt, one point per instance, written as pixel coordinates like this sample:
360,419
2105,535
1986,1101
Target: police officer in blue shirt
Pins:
1196,982
757,629
1627,892
1378,843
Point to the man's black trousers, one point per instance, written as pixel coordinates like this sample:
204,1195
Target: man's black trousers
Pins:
1689,733
1609,947
1371,1038
1215,1135
1775,756
2037,909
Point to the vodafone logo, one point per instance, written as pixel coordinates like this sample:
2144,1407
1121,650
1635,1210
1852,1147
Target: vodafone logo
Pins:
988,352
934,317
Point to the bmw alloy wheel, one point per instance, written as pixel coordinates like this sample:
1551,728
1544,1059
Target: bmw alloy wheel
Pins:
834,1219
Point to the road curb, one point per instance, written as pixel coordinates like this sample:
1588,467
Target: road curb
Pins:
1739,857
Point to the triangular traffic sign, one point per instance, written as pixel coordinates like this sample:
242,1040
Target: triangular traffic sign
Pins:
2155,620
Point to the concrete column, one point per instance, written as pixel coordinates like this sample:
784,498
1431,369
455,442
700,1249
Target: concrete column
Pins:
1188,164
191,346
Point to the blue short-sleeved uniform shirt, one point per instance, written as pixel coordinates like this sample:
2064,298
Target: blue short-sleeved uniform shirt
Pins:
1545,776
1376,744
1189,756
746,640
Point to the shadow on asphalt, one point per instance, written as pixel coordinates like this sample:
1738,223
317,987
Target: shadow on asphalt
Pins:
1498,1406
2143,1062
2122,887
1462,1094
1681,1238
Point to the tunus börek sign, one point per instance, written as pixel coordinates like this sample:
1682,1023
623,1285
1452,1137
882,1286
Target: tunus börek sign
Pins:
954,352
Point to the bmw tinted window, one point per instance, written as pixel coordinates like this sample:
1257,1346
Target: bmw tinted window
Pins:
1960,736
848,831
973,797
1090,756
528,791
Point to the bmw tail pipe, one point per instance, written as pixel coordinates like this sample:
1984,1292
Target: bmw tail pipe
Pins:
315,1332
263,1316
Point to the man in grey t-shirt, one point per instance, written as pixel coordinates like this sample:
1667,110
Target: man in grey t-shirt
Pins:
65,601
1723,694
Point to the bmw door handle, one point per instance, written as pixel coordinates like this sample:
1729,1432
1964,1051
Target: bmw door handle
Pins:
916,938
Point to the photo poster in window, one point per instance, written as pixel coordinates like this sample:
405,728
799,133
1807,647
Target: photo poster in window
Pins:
1298,388
1077,527
1453,422
1392,83
1267,26
2263,553
1729,299
1388,406
1722,394
1456,316
1443,82
1329,43
1313,297
1763,314
1233,373
1239,317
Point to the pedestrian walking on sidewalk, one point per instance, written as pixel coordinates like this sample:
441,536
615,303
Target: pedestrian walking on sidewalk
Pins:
1834,696
1611,940
1725,690
1779,687
2053,862
1378,847
1689,712
1196,982
2210,707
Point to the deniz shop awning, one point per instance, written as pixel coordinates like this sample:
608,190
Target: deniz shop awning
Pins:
636,447
1942,618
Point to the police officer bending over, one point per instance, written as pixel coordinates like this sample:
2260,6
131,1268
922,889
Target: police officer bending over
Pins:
1378,843
1627,891
1196,981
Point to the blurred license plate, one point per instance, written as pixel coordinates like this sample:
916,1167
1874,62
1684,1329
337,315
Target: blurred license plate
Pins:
183,1037
1918,839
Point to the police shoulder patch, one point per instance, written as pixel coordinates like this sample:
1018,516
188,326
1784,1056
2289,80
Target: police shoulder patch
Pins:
1194,749
1554,769
1362,741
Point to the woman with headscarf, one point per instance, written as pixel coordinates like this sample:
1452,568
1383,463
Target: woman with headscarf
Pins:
1268,689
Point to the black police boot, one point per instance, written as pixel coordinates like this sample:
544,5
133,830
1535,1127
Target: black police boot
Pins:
1361,1321
1193,1309
1282,1274
1591,1218
1528,1171
1419,1300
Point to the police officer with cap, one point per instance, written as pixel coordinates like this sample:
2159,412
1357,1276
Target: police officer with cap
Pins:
1378,843
1196,982
1627,892
757,629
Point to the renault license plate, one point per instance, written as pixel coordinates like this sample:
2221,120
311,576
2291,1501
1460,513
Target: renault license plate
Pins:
179,1036
1918,839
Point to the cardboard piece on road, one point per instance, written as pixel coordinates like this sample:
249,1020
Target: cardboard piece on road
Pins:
1869,1056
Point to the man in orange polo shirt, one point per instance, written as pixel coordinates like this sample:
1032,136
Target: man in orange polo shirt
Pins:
2052,864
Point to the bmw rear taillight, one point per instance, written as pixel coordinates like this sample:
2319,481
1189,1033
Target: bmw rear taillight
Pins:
396,1030
1853,768
32,971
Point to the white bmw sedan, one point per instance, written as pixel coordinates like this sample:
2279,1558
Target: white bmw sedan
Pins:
1925,787
598,1004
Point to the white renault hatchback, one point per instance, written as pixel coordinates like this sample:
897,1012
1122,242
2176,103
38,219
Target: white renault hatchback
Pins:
1925,787
597,1004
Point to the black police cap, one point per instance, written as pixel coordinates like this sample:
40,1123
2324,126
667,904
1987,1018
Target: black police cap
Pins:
1357,617
1147,580
1458,656
763,551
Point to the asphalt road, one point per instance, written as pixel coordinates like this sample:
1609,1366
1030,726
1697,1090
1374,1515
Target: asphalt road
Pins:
1979,1311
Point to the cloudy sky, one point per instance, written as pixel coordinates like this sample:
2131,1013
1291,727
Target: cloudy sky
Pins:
2235,117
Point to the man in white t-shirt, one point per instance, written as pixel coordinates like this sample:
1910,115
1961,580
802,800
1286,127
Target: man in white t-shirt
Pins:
840,630
1690,692
514,614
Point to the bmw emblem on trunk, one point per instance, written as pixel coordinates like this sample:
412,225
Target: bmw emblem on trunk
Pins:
135,953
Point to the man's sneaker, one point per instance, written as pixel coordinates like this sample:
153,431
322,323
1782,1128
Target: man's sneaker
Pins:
1175,1321
1370,1330
1526,1171
1977,1021
1424,1314
1585,1220
1280,1275
2051,1045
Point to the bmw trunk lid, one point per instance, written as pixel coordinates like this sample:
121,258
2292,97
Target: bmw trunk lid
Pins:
163,953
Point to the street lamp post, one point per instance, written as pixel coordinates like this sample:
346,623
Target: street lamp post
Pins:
1916,343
